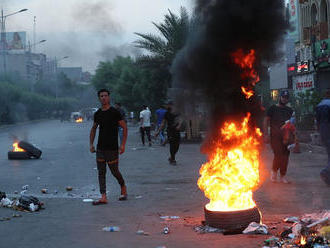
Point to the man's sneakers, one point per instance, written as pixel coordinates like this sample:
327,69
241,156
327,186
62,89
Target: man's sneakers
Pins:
172,161
273,176
123,194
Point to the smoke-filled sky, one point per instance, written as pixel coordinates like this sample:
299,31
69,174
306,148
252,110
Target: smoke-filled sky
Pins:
87,30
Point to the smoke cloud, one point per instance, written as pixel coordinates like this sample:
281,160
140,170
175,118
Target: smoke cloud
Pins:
221,28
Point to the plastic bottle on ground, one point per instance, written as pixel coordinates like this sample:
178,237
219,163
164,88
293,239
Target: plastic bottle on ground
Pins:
111,229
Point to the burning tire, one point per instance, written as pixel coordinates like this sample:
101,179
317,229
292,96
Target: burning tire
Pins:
32,150
232,220
18,155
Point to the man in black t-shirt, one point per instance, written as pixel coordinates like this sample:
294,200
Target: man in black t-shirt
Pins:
173,121
108,119
276,117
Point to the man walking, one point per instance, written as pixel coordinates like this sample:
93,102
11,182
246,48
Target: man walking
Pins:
323,124
160,113
108,119
145,115
173,122
276,117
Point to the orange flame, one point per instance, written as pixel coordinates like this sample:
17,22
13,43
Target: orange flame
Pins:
233,170
303,240
79,120
246,62
16,148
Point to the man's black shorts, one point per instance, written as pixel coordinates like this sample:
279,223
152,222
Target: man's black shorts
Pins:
111,157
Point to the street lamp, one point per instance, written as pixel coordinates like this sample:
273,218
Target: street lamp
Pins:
3,35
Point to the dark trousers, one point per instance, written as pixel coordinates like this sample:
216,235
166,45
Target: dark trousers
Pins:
143,131
174,141
281,155
111,158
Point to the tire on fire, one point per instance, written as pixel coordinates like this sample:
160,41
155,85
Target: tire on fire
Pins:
18,155
232,220
32,150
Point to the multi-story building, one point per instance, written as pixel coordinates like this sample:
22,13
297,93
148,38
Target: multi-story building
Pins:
313,49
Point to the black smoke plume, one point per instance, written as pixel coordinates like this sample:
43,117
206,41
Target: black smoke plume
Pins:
219,29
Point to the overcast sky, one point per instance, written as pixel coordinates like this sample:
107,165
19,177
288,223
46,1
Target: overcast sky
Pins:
87,30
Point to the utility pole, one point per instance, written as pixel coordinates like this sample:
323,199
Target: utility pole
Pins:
3,42
34,34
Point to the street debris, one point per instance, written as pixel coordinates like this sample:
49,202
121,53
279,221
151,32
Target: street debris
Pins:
6,202
88,200
208,229
255,228
23,192
292,219
25,187
111,229
170,217
2,195
68,188
141,232
309,231
44,191
166,230
138,197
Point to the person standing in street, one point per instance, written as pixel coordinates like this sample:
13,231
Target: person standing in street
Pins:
173,121
323,125
160,113
145,127
107,118
123,115
276,117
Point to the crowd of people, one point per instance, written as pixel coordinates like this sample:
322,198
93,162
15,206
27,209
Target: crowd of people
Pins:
279,130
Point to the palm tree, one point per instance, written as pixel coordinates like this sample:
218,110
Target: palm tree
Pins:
162,49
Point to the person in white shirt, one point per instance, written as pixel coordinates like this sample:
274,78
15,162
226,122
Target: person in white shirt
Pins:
145,115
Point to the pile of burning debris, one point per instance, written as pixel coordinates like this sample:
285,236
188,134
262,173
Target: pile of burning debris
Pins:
310,231
24,150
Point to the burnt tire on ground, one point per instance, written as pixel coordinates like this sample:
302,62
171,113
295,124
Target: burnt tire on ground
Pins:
18,155
32,150
232,220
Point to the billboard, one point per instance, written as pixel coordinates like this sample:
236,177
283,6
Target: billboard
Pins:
14,41
292,10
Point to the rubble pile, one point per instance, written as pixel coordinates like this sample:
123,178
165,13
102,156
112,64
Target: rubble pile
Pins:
24,203
309,231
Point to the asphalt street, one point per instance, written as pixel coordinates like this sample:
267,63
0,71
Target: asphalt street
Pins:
155,189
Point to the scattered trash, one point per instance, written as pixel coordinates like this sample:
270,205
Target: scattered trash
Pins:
171,188
6,202
325,232
111,229
2,195
44,191
138,197
323,220
55,192
68,188
23,192
169,217
29,203
166,230
141,232
208,229
271,242
161,247
292,219
25,187
15,215
255,228
88,200
15,192
4,218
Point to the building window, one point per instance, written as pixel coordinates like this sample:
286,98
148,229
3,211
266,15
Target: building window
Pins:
314,14
324,11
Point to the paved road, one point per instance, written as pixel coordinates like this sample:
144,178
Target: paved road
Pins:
155,189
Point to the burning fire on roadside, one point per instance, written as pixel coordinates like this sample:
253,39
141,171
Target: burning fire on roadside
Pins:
16,148
79,120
